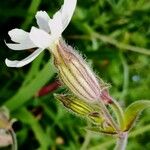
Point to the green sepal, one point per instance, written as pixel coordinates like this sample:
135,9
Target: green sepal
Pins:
107,131
133,111
74,104
96,118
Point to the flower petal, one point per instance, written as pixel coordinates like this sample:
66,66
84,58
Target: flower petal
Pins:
67,11
55,25
62,18
42,20
25,61
40,38
18,35
21,38
22,46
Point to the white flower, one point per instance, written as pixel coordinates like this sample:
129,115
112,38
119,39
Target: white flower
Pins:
46,36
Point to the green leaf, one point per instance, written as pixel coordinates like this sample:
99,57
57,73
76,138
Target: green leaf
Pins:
31,11
27,118
34,69
26,92
133,111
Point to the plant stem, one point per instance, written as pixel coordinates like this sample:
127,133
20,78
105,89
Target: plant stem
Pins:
122,141
110,142
113,42
120,45
108,116
119,113
86,141
14,139
126,76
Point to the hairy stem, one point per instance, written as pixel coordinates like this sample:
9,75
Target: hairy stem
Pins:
119,113
108,116
122,141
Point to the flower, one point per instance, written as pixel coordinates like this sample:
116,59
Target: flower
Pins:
73,69
46,36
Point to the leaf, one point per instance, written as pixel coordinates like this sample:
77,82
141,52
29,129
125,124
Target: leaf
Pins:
27,118
31,10
133,111
34,70
26,92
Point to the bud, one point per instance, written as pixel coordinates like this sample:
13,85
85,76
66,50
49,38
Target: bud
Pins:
81,108
75,105
75,73
105,97
96,118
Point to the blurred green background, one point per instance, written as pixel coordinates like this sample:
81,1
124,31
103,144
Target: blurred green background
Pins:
114,35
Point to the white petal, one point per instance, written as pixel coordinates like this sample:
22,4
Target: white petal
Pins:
18,35
25,61
67,11
62,18
40,38
27,44
21,38
42,20
55,25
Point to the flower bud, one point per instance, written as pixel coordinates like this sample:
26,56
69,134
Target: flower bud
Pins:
96,118
75,73
75,105
81,108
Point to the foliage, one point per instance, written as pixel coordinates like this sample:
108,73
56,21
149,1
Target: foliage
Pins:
114,36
